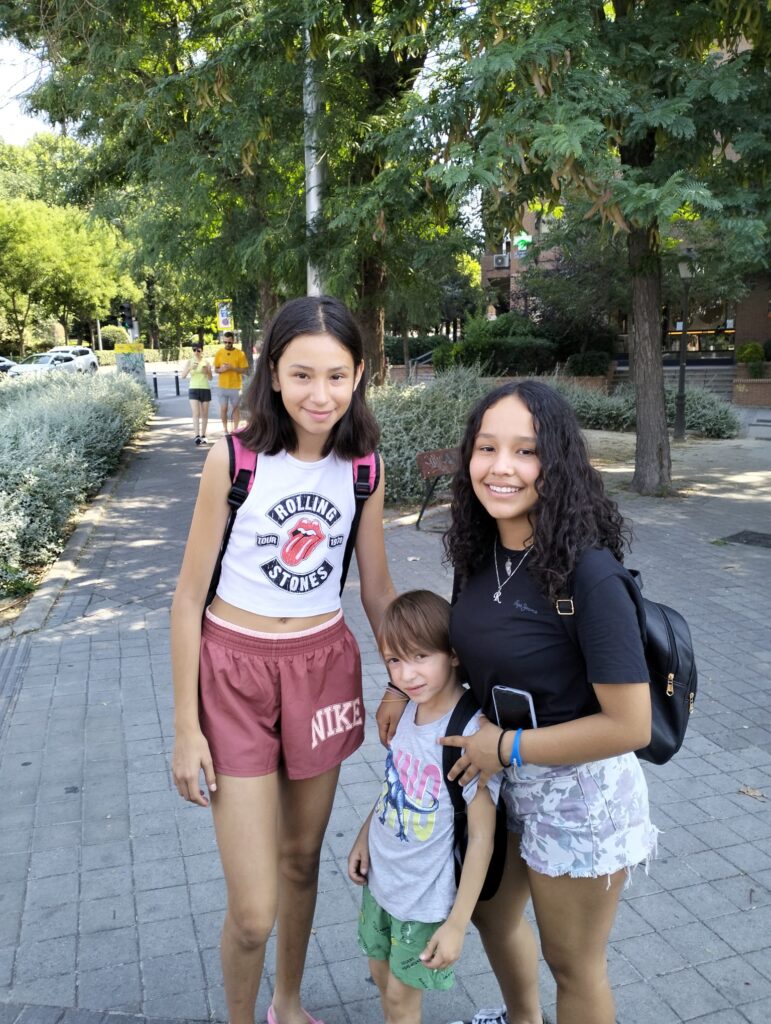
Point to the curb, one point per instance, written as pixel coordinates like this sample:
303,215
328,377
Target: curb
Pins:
63,569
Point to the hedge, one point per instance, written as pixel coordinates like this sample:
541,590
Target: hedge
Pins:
60,436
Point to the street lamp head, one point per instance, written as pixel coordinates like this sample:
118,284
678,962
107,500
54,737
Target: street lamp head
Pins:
686,265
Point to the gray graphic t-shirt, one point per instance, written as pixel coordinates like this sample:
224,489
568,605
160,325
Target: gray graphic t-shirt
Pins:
411,872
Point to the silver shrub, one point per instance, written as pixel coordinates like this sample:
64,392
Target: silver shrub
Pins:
59,438
419,417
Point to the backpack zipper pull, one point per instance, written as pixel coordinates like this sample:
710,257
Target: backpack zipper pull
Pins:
671,684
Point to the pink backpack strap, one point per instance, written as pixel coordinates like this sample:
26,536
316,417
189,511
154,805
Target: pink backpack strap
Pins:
241,458
366,474
366,477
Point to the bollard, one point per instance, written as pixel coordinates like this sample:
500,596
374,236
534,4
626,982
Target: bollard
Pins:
155,383
176,381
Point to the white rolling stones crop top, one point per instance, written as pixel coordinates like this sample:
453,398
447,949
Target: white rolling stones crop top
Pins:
285,554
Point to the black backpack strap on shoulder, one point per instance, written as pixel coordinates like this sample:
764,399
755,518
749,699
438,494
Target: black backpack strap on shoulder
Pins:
461,715
237,495
364,484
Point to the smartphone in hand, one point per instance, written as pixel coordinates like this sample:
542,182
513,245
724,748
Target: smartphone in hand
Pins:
514,709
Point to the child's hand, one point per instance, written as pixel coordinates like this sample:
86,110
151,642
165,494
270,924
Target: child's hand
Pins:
444,947
358,860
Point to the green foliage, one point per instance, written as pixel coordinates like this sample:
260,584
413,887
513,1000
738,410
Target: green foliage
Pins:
55,260
60,435
597,411
706,414
755,370
767,350
510,356
419,417
751,352
113,335
418,346
587,364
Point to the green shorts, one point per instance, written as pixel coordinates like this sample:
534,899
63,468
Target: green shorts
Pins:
383,937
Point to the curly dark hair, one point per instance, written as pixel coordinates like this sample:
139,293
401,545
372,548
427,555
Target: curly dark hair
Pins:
270,428
572,513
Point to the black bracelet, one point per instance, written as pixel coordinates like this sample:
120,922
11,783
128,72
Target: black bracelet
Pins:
504,764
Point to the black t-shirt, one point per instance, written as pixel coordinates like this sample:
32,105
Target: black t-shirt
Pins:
522,643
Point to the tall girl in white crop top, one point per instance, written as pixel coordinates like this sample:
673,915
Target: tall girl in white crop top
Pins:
267,688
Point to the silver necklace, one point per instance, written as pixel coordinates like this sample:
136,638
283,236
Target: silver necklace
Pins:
507,567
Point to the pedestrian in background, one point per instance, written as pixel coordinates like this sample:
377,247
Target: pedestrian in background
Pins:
230,365
198,369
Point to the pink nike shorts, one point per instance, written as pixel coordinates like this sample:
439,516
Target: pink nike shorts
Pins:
288,701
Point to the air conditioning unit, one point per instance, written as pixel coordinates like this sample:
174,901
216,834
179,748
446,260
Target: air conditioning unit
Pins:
501,261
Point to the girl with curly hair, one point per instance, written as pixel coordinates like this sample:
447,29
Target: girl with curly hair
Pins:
535,537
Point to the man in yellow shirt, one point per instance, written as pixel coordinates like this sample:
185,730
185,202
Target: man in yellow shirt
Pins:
230,365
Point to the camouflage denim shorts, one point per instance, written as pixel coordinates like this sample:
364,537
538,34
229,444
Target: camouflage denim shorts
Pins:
584,820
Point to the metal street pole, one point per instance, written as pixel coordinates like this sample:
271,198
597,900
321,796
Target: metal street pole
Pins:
679,431
313,170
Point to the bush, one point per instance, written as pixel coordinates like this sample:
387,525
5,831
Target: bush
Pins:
767,350
752,352
60,435
597,411
706,414
521,356
112,336
588,364
418,417
418,346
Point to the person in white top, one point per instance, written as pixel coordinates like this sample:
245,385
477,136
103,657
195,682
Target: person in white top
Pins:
267,688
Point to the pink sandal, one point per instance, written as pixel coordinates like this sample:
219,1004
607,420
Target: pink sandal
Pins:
272,1017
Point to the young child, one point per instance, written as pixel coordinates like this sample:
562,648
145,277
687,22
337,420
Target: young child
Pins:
413,920
267,690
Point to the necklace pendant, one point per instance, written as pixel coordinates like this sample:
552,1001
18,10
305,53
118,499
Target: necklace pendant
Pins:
497,597
507,566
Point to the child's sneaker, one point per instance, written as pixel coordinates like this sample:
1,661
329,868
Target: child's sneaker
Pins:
203,440
493,1016
197,439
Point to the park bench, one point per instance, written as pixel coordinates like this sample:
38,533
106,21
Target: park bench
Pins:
432,465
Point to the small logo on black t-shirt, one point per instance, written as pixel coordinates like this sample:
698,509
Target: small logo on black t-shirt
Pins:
522,607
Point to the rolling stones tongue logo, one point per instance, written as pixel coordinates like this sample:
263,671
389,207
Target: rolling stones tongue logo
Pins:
304,537
308,519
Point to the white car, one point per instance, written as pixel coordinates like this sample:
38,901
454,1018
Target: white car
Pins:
85,359
44,362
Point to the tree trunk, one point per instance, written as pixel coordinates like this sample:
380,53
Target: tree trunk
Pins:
245,303
371,316
653,467
152,311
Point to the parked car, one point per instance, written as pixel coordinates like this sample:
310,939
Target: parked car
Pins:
41,363
85,359
6,364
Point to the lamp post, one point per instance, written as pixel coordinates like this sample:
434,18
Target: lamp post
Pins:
685,269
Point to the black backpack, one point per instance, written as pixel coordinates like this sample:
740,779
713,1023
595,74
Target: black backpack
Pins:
671,665
462,714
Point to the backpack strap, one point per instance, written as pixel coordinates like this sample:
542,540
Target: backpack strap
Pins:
242,467
366,477
461,715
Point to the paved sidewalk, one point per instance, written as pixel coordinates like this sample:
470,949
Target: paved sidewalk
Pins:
110,891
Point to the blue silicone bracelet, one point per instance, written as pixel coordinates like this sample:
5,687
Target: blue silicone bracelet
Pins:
515,755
